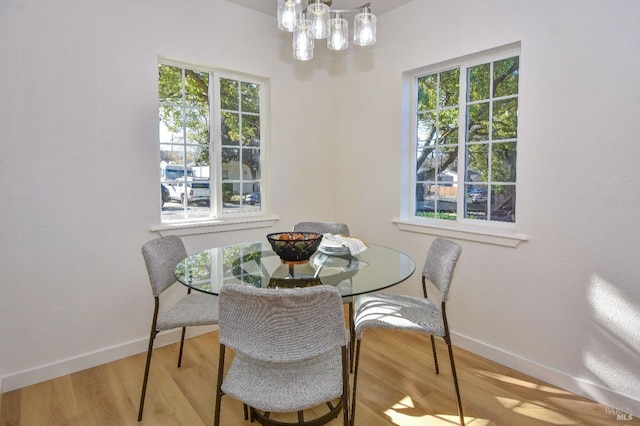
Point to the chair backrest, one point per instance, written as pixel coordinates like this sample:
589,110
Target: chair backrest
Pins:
441,263
322,227
161,256
281,325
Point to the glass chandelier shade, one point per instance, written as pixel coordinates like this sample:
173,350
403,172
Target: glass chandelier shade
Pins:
364,29
316,22
289,13
338,34
318,14
302,41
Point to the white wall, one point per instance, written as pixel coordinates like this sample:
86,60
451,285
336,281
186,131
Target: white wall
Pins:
79,152
565,305
78,84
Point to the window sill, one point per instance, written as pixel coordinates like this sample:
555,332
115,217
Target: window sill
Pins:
485,236
212,226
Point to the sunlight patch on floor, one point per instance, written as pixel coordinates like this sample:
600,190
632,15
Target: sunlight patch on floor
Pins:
397,416
522,383
535,411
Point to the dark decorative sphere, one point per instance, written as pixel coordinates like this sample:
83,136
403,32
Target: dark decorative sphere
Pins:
294,246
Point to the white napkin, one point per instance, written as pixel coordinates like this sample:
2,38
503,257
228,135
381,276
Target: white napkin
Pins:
335,243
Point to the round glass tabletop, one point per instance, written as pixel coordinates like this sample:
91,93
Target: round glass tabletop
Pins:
255,264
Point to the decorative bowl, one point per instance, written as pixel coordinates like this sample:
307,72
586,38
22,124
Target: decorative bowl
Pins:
294,247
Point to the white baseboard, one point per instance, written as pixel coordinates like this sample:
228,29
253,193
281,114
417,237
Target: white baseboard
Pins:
82,362
582,387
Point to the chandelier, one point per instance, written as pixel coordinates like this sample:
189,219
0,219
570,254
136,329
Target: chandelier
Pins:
316,22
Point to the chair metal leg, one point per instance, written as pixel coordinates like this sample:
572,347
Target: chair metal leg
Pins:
146,374
346,364
181,346
152,336
216,415
435,355
184,329
352,336
455,380
447,339
355,382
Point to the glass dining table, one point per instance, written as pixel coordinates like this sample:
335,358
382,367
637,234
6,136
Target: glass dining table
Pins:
256,264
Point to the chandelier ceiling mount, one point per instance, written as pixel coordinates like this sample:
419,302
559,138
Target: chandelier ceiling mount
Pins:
318,21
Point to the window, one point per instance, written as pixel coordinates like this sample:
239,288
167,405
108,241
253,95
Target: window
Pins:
465,139
211,143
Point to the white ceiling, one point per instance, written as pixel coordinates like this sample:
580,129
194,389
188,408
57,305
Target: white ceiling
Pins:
378,7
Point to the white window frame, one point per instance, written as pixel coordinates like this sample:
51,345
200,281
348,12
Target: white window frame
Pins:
492,232
219,219
217,141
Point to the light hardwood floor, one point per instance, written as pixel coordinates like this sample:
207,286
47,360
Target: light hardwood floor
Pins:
397,385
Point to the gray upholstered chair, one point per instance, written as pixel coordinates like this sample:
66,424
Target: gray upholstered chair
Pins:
399,312
338,228
322,227
290,350
161,257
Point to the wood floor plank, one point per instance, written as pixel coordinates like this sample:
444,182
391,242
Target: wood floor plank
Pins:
10,410
53,400
397,385
101,397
